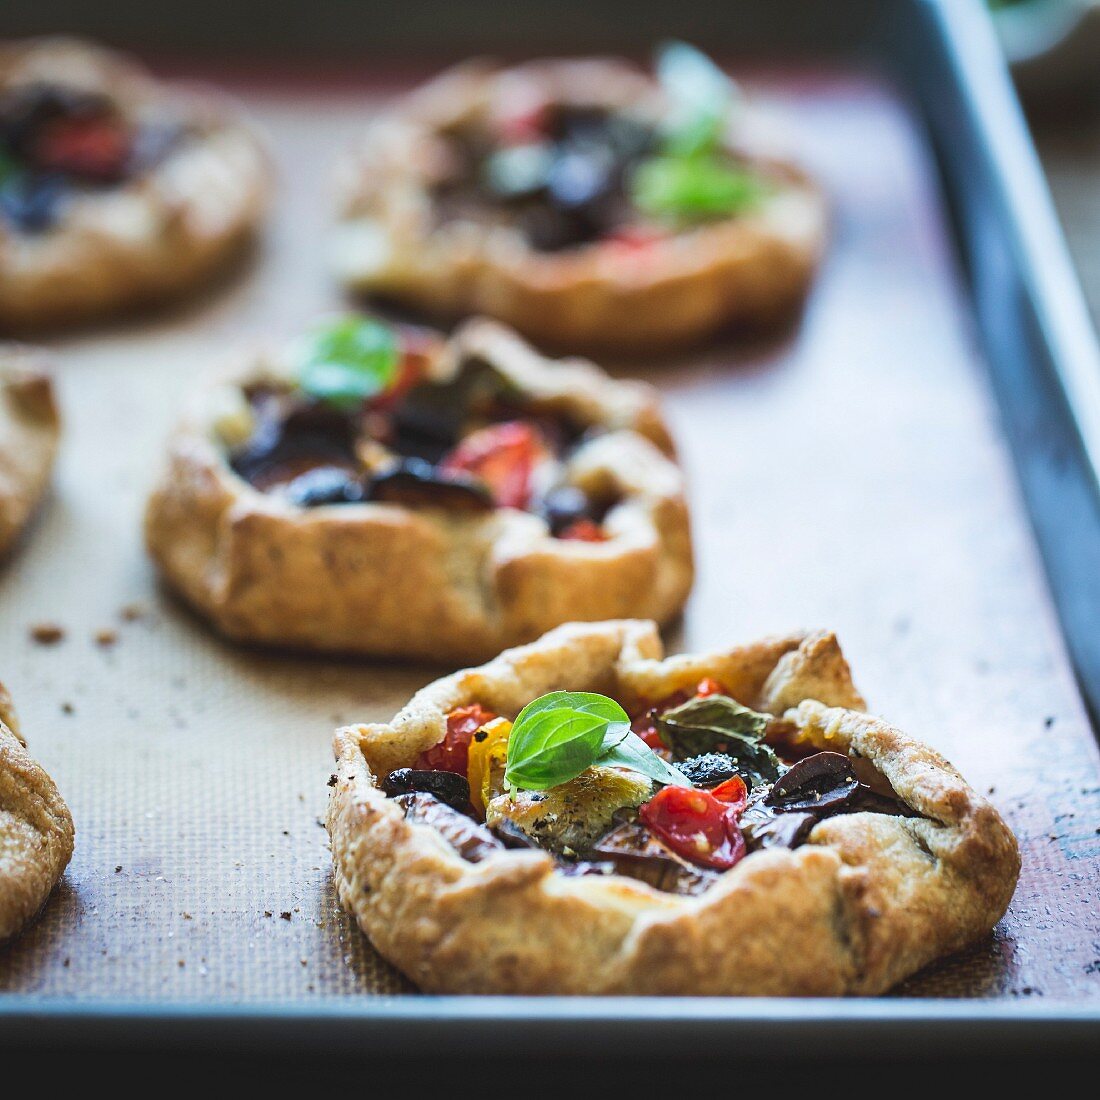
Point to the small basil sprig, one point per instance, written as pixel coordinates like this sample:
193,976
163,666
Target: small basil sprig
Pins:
347,361
690,178
559,735
700,97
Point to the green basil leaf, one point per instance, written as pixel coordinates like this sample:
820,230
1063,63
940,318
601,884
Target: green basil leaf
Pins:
630,751
348,361
688,189
700,99
555,737
718,723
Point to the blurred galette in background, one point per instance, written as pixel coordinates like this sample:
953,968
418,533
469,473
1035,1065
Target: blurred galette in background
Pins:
378,489
115,190
29,430
582,201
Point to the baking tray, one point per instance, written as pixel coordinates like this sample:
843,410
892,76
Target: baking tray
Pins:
854,471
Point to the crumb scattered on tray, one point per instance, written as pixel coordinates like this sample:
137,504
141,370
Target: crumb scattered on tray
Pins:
132,612
106,637
68,708
285,914
47,633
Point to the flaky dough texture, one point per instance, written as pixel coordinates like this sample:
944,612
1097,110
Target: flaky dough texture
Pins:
149,238
753,268
441,586
36,829
866,901
29,431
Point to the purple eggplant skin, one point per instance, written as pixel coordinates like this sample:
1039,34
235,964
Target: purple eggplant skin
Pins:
637,853
473,842
822,782
450,788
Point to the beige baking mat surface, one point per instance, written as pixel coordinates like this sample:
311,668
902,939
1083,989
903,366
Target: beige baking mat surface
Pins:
849,474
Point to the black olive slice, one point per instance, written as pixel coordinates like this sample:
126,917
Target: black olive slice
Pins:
710,769
32,204
324,485
473,842
824,781
449,787
415,483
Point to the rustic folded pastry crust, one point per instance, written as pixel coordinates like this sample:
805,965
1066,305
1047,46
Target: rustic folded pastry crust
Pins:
36,829
149,238
868,900
753,268
375,578
29,431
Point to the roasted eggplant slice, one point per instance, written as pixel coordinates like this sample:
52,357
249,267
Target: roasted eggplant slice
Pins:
637,853
473,842
821,783
415,483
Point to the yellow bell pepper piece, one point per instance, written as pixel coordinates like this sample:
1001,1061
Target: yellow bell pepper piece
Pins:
488,749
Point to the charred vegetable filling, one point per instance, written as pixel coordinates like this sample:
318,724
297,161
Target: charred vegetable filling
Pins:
57,142
366,420
572,174
674,795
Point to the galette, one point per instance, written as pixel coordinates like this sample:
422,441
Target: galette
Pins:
29,430
582,202
580,815
36,829
115,191
377,489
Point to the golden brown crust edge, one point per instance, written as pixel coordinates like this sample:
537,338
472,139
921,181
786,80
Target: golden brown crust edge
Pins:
867,901
144,242
36,829
30,427
379,579
750,270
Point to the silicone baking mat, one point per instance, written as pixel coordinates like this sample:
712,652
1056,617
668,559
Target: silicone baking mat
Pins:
847,473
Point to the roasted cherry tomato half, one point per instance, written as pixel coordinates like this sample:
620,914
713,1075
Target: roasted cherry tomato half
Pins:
503,456
452,753
93,148
733,793
695,825
584,530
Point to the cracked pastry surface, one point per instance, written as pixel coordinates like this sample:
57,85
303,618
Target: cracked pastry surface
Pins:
900,862
36,829
29,430
551,196
115,191
483,495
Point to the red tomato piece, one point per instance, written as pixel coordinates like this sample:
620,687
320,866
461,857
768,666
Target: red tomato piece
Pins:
526,125
633,240
503,456
733,793
584,530
452,753
695,825
707,686
95,148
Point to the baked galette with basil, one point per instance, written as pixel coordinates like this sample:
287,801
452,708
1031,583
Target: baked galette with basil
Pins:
581,816
29,430
114,190
377,489
582,202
